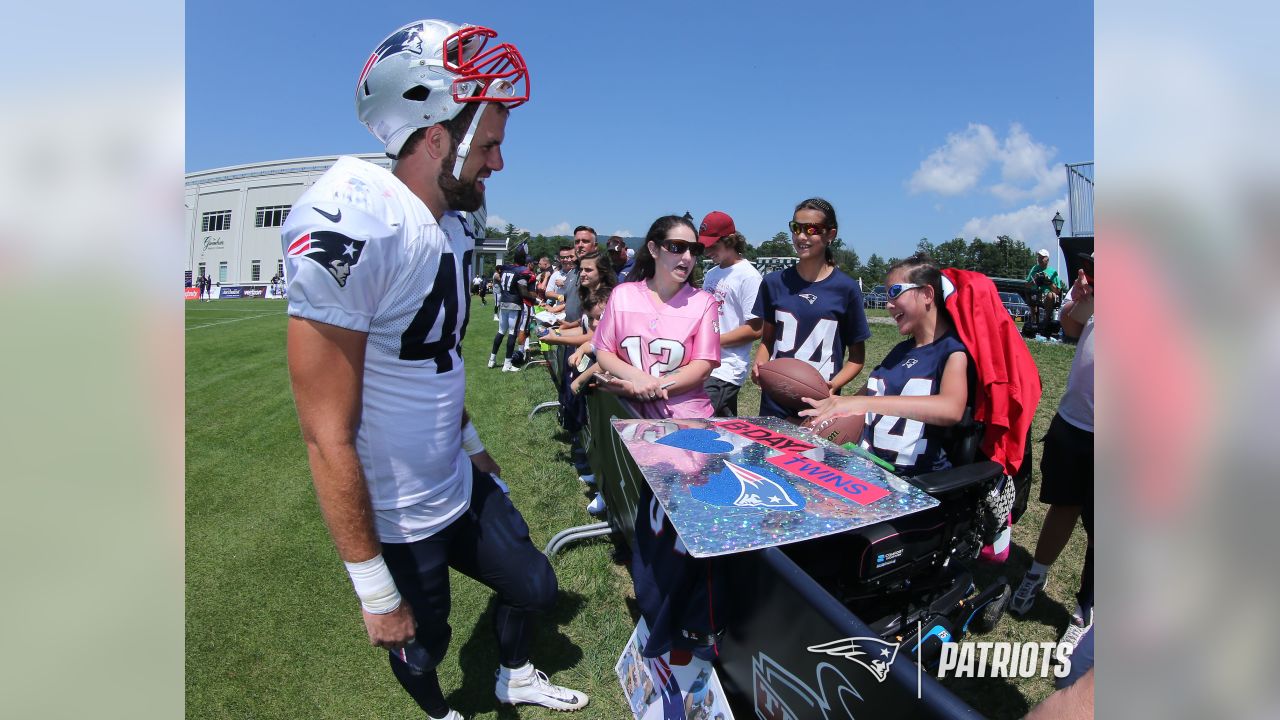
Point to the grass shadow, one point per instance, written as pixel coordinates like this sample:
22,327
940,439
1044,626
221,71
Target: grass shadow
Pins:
999,698
550,650
1046,610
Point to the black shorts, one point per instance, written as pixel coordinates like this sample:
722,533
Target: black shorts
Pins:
724,397
1066,468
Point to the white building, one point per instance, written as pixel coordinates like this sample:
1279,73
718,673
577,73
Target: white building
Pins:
234,216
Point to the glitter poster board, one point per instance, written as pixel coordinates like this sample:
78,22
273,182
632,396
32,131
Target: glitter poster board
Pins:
736,484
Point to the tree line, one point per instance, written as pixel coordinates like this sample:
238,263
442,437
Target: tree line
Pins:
1005,257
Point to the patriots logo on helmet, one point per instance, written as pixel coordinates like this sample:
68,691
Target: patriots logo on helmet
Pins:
809,298
333,251
873,654
739,486
406,39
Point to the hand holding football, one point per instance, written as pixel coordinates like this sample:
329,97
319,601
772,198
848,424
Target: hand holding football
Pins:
842,429
788,380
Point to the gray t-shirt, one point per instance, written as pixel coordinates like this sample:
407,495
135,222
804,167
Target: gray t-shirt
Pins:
572,304
1077,401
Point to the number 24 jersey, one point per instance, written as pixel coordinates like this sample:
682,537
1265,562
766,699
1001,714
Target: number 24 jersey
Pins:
363,253
813,321
912,446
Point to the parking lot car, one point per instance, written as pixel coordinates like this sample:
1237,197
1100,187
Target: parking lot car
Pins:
875,299
1014,303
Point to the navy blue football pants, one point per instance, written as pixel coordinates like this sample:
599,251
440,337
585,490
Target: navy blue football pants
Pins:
489,543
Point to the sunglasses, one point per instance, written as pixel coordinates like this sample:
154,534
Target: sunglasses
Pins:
807,228
899,288
678,247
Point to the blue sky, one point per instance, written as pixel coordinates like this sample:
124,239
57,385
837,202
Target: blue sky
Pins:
914,119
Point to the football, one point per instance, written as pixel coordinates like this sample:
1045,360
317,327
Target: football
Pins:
787,380
841,430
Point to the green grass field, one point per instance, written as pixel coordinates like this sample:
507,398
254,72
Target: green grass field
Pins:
273,629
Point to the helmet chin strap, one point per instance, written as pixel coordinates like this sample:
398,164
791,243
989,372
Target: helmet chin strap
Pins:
464,147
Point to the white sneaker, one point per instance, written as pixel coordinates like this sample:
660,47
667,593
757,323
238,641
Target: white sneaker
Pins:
589,479
493,361
530,686
1081,621
1027,593
452,715
506,366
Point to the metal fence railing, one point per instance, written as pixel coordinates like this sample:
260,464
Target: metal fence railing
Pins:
1080,198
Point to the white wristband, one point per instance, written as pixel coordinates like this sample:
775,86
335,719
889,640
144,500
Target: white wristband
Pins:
471,439
374,585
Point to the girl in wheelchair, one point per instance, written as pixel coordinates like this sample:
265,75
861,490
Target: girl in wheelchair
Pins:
920,388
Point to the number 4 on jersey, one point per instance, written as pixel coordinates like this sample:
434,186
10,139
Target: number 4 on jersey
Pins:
440,304
817,349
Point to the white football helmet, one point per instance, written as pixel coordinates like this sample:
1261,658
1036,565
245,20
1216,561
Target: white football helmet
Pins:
422,74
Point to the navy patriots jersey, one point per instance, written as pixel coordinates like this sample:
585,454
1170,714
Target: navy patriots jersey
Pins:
912,446
511,276
814,322
675,592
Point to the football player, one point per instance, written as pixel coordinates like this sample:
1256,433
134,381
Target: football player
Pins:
377,264
515,303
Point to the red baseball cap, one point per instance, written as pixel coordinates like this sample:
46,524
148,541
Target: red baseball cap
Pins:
715,226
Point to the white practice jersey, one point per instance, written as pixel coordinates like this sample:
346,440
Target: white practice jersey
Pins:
363,253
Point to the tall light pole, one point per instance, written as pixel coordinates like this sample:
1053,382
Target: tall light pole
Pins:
1057,230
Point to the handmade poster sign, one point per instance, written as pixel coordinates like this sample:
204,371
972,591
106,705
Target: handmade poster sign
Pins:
735,484
659,689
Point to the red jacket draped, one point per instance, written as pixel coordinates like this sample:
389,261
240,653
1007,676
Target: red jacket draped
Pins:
1008,388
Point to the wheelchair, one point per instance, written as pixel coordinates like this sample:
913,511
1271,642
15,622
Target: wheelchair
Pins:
910,579
1040,319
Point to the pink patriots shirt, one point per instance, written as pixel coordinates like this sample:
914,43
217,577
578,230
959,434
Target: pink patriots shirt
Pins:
660,338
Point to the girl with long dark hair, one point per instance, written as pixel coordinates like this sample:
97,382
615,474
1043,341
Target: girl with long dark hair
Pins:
812,311
659,333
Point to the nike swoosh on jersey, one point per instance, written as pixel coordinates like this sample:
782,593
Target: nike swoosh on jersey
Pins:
332,217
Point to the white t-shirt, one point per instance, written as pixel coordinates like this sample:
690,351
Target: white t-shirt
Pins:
552,287
1077,401
735,287
363,253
